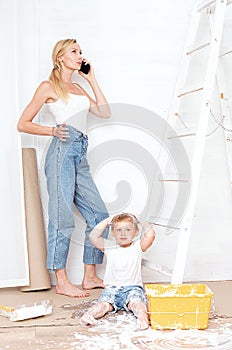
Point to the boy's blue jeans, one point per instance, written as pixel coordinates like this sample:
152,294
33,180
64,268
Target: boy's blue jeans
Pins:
69,182
119,297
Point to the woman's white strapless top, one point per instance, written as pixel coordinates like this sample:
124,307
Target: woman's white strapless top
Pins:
73,112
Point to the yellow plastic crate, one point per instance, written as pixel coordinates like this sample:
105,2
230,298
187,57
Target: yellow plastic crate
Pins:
182,306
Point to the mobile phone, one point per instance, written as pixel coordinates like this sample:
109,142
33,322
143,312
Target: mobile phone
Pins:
85,67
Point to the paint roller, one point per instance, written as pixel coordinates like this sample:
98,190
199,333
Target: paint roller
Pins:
25,312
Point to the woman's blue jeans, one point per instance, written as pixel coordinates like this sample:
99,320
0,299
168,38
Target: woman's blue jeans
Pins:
69,182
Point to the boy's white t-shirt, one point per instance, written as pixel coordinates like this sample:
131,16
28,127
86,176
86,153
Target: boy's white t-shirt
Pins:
123,265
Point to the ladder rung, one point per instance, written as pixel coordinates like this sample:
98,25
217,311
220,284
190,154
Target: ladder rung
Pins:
225,53
163,224
197,47
190,91
180,136
206,3
166,226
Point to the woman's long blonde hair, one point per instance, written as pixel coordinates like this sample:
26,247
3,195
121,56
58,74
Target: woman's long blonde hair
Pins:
55,76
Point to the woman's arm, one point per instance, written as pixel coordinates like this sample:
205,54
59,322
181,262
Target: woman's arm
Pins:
148,236
99,106
25,123
96,234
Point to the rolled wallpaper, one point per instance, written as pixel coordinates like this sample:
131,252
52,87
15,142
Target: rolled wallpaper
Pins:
36,241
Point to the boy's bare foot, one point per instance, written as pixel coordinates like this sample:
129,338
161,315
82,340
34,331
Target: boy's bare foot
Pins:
139,310
91,283
70,290
142,323
86,319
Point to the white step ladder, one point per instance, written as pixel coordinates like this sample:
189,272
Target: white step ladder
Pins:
216,10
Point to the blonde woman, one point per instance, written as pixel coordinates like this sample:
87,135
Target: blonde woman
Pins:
68,177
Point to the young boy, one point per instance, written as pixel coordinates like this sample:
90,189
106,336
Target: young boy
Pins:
122,280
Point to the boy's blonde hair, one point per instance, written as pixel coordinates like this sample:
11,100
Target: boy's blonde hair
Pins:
125,217
55,76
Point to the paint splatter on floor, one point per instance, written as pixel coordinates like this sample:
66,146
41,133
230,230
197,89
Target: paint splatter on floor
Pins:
190,339
120,335
116,332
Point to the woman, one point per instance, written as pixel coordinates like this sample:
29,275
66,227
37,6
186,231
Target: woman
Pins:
68,178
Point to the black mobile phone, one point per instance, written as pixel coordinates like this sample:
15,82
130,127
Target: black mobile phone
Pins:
85,67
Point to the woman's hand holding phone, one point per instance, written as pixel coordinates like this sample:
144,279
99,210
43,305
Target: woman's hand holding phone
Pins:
85,67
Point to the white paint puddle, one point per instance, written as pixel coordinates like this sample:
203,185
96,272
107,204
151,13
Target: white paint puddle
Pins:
116,332
219,337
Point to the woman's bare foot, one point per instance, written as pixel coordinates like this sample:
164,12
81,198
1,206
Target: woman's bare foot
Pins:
91,283
65,287
90,279
71,291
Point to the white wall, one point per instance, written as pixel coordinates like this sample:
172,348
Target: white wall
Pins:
136,49
13,255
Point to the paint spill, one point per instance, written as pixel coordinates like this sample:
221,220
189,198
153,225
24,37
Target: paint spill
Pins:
116,332
191,339
123,337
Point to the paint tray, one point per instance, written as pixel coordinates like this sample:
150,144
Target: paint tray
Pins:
182,306
24,312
